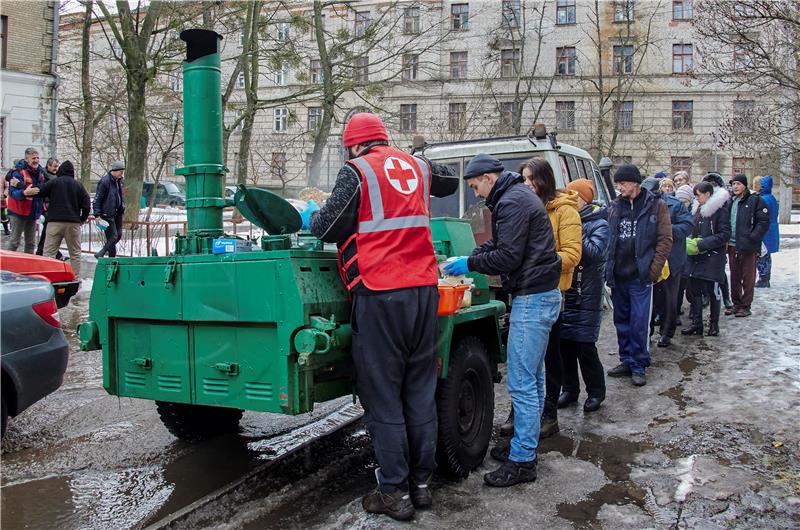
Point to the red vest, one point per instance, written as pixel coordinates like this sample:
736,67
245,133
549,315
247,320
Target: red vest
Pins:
393,244
22,207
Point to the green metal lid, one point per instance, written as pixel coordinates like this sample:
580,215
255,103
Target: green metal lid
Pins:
267,210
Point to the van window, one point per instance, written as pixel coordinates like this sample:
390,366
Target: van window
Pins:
582,167
448,206
605,191
564,170
573,168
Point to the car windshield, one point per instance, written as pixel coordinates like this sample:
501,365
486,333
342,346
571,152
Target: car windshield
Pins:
171,187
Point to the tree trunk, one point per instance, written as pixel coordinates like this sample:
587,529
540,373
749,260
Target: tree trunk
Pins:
323,132
87,139
138,139
250,68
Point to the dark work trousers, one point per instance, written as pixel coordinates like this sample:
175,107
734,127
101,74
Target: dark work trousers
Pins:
40,246
743,277
394,351
665,298
553,370
712,291
574,353
113,235
632,309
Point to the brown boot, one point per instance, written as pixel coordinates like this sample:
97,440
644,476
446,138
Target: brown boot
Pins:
507,429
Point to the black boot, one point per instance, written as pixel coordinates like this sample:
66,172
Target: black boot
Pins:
507,429
567,398
549,424
713,321
696,327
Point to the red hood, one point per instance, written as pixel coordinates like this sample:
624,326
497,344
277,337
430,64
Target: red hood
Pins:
51,269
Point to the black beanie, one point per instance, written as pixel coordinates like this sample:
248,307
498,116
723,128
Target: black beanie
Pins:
628,173
66,170
739,178
481,164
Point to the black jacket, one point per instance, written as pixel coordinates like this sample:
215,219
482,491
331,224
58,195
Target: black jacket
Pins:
110,197
69,202
522,249
583,302
752,222
712,223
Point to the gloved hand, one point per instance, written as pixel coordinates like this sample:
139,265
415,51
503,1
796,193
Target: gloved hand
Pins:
691,246
457,267
305,215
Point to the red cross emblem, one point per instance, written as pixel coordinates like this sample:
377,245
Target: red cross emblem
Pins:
401,175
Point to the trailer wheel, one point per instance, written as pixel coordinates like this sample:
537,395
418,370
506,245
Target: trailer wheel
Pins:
465,405
193,423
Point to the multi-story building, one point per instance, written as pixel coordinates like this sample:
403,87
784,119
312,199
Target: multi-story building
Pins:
620,78
27,79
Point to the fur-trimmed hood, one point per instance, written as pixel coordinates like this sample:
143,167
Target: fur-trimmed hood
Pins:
717,200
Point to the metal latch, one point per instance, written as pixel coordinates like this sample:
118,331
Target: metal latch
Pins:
169,273
228,368
143,362
111,272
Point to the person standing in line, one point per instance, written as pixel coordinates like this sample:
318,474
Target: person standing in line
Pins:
749,223
583,305
772,239
640,243
666,186
715,179
706,250
562,210
69,208
681,178
50,170
685,194
109,205
24,207
522,251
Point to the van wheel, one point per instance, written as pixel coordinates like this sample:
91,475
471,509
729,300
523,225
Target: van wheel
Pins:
5,415
465,405
193,423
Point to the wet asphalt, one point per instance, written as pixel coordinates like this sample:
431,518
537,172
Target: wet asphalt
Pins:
712,441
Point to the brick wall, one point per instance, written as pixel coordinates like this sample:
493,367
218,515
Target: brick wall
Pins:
30,28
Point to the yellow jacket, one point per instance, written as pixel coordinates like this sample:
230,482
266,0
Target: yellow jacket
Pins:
566,221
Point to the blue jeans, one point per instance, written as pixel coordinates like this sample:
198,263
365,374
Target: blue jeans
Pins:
532,316
632,307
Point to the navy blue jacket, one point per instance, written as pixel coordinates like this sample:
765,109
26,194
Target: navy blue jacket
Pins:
522,249
752,222
110,197
583,302
682,224
653,237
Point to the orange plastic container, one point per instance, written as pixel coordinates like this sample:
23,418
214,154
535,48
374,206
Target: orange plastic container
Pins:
450,297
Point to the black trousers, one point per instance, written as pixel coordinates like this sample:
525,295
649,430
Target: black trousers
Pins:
714,294
113,235
684,291
665,298
394,351
574,353
553,370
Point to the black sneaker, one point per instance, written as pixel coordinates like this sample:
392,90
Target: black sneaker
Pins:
511,473
396,505
664,341
500,453
421,496
621,370
638,379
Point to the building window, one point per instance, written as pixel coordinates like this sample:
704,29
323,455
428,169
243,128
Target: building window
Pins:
458,65
565,12
457,117
278,166
681,58
316,71
361,70
743,115
511,14
565,61
508,116
565,115
459,17
237,119
682,115
314,117
362,22
408,118
281,119
509,62
681,163
241,39
623,10
623,60
744,166
281,75
624,115
682,10
742,59
283,31
410,66
4,44
411,20
240,80
620,160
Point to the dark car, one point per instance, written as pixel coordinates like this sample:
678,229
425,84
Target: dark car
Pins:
34,349
169,193
59,273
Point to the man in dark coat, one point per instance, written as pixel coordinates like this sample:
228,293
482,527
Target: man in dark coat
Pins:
522,252
23,205
749,224
109,205
50,170
641,240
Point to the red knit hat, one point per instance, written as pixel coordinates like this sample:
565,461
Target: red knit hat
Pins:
363,127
